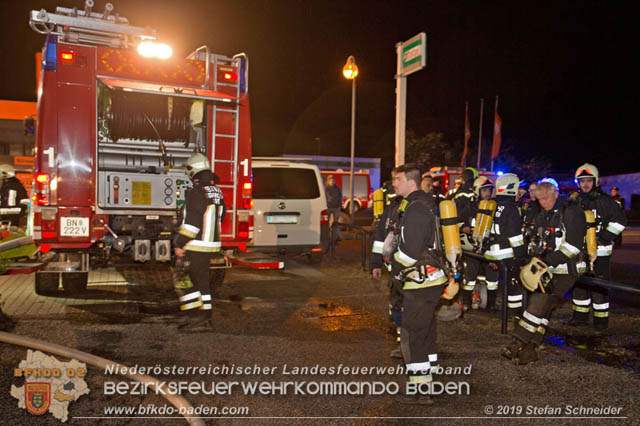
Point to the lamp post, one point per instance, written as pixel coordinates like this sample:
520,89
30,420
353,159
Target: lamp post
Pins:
350,71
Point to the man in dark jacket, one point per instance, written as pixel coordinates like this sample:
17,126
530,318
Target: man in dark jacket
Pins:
423,284
610,222
560,232
13,196
198,239
334,203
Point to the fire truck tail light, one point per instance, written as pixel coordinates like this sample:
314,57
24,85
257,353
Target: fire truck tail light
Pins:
324,217
246,189
48,234
66,56
42,178
243,229
45,248
49,225
41,194
247,203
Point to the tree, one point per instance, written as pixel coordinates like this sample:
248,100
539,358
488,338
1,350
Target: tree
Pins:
430,150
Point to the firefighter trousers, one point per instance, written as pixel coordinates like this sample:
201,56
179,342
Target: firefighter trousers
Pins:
395,303
532,326
198,270
418,332
585,296
515,291
476,271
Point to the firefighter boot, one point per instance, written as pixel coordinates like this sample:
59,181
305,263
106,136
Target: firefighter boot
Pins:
414,394
527,354
467,301
491,301
579,319
512,350
396,353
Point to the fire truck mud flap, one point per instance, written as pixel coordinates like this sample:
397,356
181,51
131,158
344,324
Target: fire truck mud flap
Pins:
71,270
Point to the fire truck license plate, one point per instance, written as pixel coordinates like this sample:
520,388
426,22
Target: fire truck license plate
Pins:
74,226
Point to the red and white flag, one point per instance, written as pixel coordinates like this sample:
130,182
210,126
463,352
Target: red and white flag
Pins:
497,134
467,135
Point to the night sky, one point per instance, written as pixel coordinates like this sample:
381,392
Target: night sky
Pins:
563,70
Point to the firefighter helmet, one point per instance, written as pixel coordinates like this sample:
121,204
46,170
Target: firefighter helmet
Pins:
469,174
481,182
588,171
507,184
7,171
535,274
197,163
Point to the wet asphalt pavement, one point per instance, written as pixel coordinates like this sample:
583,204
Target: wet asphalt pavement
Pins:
332,315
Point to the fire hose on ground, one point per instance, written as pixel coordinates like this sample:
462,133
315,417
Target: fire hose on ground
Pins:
176,400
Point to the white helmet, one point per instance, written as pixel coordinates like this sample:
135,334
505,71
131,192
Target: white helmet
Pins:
481,182
197,163
507,184
7,171
588,171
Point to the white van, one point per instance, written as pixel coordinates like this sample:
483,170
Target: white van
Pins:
289,208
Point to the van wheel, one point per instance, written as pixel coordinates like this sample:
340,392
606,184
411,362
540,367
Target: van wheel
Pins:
74,282
315,258
216,277
47,283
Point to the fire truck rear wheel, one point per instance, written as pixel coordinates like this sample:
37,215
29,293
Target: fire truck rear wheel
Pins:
74,282
216,277
47,283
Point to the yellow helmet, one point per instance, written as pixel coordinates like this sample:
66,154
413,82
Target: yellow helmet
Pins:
535,274
588,171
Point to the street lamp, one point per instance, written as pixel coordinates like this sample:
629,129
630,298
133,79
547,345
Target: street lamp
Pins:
350,71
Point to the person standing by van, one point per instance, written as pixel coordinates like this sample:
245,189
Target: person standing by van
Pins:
334,204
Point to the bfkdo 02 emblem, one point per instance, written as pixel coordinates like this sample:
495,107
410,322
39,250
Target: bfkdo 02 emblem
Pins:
37,397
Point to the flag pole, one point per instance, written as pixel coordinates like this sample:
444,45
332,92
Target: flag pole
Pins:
463,160
495,111
480,132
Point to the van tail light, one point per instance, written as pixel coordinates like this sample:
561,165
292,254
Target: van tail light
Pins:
41,193
324,217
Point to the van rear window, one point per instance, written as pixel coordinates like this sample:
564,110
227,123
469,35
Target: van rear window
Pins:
292,184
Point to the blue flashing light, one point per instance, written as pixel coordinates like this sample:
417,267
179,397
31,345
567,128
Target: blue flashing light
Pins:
50,57
500,173
242,74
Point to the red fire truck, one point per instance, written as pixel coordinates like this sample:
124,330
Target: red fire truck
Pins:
117,120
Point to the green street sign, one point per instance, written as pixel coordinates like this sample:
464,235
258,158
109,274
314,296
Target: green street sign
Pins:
414,54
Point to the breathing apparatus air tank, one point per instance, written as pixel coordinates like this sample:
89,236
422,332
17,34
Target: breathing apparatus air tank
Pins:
484,220
592,244
378,202
450,232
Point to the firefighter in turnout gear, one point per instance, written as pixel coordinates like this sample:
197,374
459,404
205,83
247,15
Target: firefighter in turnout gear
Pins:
465,195
384,245
199,238
476,270
610,222
13,196
556,246
506,242
423,284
